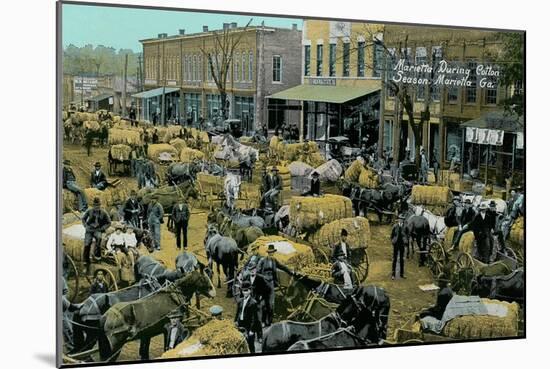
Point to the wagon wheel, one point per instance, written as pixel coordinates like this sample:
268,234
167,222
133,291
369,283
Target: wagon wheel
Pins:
437,258
462,273
413,341
361,267
72,275
110,279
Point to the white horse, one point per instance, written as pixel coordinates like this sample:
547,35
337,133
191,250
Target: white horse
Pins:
437,223
232,187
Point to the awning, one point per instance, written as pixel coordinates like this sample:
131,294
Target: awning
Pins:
330,94
100,97
155,92
498,120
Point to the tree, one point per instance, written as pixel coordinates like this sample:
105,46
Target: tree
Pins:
220,57
511,62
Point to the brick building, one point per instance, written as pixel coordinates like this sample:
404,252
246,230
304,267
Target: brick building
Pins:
265,61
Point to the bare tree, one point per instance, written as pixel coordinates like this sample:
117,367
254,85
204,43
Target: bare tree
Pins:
220,56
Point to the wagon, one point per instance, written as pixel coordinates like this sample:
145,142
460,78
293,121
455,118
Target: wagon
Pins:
462,266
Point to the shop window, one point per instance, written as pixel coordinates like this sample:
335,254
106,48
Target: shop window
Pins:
454,142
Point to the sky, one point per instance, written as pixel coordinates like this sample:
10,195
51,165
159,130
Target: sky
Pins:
124,27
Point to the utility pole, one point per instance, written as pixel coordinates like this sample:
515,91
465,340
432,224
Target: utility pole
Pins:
124,81
163,99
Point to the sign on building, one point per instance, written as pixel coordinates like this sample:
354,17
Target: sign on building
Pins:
484,136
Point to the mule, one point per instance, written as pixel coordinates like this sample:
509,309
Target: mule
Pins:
223,251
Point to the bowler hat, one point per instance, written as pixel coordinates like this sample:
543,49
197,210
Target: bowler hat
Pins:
492,204
246,285
66,162
175,314
483,206
315,174
97,201
467,201
271,248
343,232
275,169
97,164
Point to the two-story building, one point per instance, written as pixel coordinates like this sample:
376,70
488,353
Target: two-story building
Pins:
340,90
263,61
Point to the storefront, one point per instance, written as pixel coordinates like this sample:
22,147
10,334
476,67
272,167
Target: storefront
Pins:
149,104
101,102
244,110
330,111
193,107
493,148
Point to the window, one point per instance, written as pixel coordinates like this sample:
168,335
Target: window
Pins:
277,68
361,59
491,91
388,134
452,91
378,55
236,60
209,71
420,59
213,106
320,60
195,69
243,78
471,91
437,55
200,68
345,59
332,60
391,73
250,66
307,59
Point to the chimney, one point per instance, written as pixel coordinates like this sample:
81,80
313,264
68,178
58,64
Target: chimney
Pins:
163,35
225,26
294,27
233,24
205,28
182,31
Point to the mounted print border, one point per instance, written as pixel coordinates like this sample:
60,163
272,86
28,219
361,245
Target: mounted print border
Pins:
238,184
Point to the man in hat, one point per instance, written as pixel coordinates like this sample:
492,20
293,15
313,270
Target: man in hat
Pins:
399,238
174,332
444,295
131,210
247,318
275,186
341,247
98,179
69,182
264,186
216,312
464,221
453,213
155,214
116,241
315,186
342,272
267,267
261,290
483,225
99,285
180,217
96,221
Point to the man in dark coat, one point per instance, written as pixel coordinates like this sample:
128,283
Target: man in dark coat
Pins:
99,285
260,290
452,214
131,210
69,182
247,317
315,186
275,186
98,179
95,221
155,214
267,267
180,217
264,186
399,238
482,225
464,221
341,247
444,295
174,332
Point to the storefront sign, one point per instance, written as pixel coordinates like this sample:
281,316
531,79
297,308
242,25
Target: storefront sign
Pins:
322,81
484,136
85,84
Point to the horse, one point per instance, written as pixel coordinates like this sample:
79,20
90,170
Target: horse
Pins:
144,318
245,236
88,314
365,310
509,287
179,173
438,227
246,165
224,251
380,200
418,229
328,291
148,267
231,188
